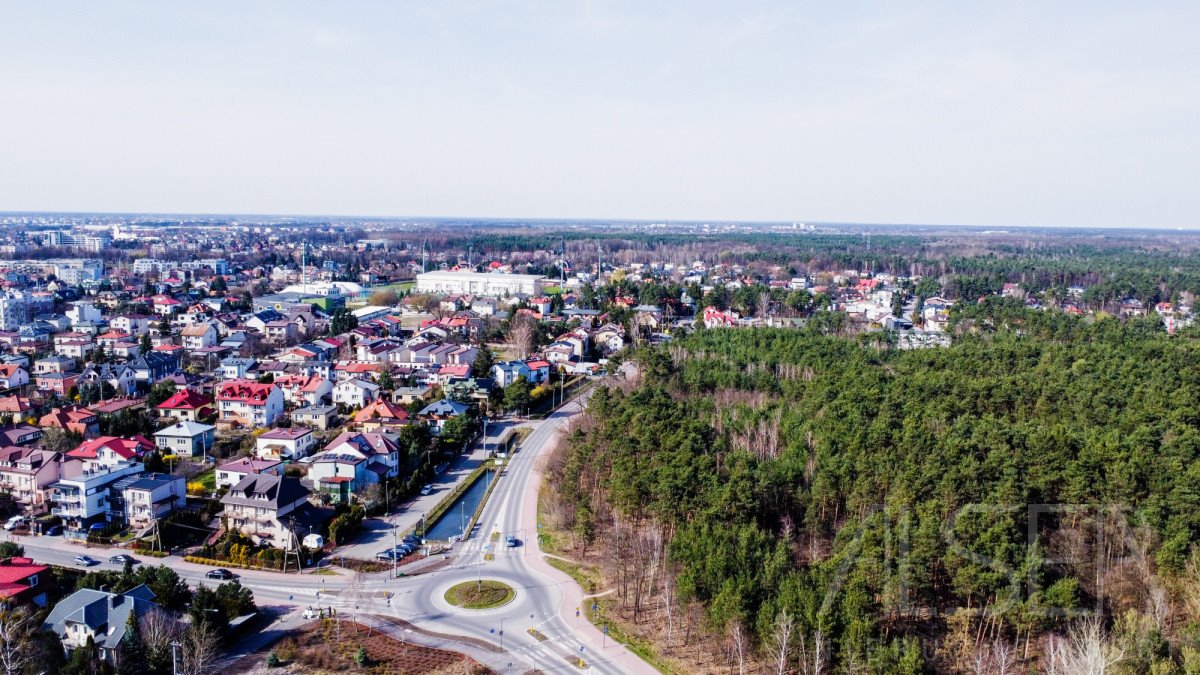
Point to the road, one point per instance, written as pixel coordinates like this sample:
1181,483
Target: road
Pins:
377,533
541,591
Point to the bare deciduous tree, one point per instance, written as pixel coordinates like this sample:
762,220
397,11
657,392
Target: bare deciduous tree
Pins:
16,644
1085,650
737,643
812,653
779,645
159,630
200,647
521,335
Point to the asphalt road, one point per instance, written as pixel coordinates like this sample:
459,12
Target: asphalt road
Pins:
538,603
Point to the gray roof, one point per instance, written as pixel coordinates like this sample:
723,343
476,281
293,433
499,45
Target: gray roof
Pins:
315,410
265,490
105,613
184,429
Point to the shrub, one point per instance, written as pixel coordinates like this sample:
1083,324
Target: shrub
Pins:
360,657
273,660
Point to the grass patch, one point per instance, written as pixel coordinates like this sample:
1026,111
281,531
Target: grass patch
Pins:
475,595
495,536
326,572
587,578
206,478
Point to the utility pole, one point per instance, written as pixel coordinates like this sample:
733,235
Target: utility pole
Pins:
425,256
395,546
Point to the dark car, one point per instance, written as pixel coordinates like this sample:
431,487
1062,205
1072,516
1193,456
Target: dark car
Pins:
219,573
52,531
388,554
122,558
411,540
511,541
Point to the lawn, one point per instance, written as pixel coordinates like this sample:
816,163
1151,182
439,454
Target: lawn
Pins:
476,595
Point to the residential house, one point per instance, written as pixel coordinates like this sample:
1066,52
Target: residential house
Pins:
13,376
249,403
507,372
234,368
260,507
290,443
319,417
76,418
409,395
82,494
56,383
304,390
436,414
353,461
26,475
199,336
381,415
232,473
149,497
186,404
19,434
121,378
355,393
539,371
153,366
108,451
186,438
99,616
53,364
16,407
24,582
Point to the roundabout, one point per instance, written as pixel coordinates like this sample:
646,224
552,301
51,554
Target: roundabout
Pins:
484,594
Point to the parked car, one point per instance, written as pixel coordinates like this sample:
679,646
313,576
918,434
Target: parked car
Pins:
122,558
85,560
412,540
52,531
15,522
427,490
388,554
313,613
219,573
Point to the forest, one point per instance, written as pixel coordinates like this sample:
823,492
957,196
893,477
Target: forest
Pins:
1027,499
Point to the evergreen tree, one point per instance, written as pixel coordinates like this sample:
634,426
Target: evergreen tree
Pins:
131,656
145,344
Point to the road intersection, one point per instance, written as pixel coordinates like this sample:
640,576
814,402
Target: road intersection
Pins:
539,629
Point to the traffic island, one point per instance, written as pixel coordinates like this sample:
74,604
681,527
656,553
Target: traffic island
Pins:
487,594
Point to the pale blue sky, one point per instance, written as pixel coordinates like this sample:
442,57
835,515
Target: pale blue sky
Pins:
995,113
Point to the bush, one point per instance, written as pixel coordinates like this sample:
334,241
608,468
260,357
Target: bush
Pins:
360,657
273,660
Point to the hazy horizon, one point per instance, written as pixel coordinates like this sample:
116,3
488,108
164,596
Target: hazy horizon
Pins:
1016,115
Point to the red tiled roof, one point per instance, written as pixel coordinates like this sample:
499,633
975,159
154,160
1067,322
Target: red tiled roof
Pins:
246,391
185,399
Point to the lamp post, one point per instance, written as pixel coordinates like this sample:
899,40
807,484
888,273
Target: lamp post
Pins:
174,658
502,632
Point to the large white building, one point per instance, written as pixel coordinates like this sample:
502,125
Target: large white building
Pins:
480,283
14,309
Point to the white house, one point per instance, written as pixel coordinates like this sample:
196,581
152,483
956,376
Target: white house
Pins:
249,403
234,472
199,336
292,443
152,496
355,393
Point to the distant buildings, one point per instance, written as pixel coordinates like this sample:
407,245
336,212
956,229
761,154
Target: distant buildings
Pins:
477,283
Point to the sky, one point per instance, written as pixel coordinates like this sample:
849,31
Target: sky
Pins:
987,113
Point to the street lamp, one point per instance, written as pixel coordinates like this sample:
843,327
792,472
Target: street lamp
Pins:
174,658
502,632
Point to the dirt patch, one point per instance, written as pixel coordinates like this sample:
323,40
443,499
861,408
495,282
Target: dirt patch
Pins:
329,646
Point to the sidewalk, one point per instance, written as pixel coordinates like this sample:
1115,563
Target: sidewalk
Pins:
573,596
377,533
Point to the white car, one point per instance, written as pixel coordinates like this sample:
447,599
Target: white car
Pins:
15,522
312,613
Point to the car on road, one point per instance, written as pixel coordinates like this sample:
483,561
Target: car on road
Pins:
511,541
219,573
427,490
85,560
122,558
